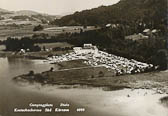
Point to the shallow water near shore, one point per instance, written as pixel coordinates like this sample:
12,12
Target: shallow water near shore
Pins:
124,102
140,102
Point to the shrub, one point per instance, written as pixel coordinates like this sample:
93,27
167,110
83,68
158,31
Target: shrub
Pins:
101,74
38,28
31,73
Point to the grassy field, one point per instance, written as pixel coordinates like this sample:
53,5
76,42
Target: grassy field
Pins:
102,77
27,30
15,31
19,31
69,29
82,75
52,45
72,64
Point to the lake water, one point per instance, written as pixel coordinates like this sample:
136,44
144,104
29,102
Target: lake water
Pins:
95,101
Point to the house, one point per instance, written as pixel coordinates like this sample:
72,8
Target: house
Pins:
137,37
155,32
22,51
147,32
151,33
108,25
112,25
87,46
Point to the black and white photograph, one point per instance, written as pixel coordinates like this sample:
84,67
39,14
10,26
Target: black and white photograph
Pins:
83,58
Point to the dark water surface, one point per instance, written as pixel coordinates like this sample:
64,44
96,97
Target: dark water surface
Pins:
13,96
10,95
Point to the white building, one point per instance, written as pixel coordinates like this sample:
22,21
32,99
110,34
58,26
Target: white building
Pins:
108,25
147,32
86,49
22,51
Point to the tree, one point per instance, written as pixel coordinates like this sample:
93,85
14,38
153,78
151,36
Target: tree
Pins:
51,69
44,48
85,26
101,74
39,78
31,73
161,59
38,28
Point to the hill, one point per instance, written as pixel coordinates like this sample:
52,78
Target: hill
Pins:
128,17
3,12
125,11
26,12
26,16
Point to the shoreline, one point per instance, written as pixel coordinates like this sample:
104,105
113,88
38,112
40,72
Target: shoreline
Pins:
137,81
41,55
150,80
14,55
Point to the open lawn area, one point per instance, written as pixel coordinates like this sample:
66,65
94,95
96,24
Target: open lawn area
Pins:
71,64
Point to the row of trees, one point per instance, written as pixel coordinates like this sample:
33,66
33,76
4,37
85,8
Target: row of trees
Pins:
62,49
14,44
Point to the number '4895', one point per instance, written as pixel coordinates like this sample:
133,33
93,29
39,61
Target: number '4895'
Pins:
80,109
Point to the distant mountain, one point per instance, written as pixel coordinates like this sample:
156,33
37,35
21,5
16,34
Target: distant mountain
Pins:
32,15
26,15
127,11
3,12
26,12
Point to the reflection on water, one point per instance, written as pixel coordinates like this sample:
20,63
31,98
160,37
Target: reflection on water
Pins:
164,101
115,103
96,101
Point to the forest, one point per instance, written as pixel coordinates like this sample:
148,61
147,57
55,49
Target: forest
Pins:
128,12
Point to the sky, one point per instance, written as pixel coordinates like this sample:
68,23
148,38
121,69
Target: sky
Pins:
55,7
